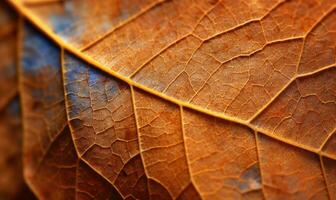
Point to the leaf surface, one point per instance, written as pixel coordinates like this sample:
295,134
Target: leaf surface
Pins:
179,99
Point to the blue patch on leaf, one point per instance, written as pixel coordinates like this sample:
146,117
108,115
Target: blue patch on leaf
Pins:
66,24
39,53
14,108
86,86
41,68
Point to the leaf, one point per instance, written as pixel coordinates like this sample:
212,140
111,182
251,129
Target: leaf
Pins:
48,146
179,99
12,185
11,167
8,87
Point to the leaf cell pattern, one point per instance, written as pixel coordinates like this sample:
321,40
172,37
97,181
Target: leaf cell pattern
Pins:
179,99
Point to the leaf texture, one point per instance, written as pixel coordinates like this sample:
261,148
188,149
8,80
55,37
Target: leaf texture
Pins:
178,99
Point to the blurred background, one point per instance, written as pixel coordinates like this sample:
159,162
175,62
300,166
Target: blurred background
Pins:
12,185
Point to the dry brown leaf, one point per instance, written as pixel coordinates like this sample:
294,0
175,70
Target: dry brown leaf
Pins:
179,99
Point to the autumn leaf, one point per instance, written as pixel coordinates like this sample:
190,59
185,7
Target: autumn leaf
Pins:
12,185
178,99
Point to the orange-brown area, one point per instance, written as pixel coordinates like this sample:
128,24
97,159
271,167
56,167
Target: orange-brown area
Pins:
198,99
305,112
222,156
289,172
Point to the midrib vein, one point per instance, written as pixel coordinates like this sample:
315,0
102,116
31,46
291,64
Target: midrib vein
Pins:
68,47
